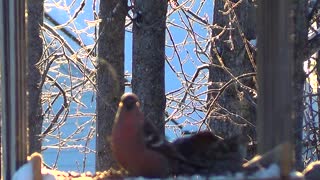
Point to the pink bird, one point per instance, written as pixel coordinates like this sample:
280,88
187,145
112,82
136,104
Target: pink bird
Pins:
142,150
128,142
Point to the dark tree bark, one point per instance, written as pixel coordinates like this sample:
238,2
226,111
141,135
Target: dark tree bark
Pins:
232,56
35,46
300,52
149,58
110,75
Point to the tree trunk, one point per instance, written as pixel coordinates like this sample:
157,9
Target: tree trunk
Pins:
110,75
234,112
149,57
35,47
300,41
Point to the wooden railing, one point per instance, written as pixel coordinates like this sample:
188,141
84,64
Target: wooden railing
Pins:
14,105
275,62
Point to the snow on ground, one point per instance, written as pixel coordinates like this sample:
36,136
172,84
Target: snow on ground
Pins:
273,172
35,170
26,173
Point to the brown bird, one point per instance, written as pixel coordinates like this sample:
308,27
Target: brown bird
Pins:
215,154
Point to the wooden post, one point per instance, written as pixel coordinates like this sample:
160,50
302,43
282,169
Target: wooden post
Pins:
13,64
275,61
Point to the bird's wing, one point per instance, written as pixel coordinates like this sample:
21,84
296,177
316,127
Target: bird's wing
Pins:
157,142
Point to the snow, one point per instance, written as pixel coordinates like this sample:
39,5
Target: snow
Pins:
26,173
273,171
48,177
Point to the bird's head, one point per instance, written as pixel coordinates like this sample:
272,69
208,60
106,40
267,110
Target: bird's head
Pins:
128,101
